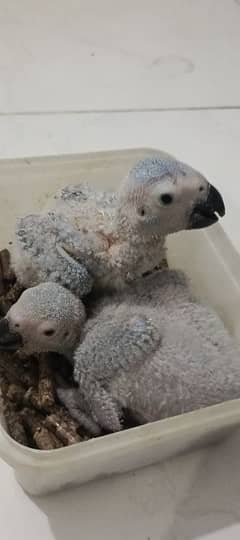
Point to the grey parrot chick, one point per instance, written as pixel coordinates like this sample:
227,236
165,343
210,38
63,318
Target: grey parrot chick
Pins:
196,365
108,240
150,349
196,362
50,318
45,318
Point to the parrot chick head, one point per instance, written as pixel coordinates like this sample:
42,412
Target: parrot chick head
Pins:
47,317
163,196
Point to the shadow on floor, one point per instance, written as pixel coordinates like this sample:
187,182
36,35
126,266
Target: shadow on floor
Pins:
185,498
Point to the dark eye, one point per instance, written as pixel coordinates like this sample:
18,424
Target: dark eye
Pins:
166,199
201,188
142,212
49,332
16,325
66,334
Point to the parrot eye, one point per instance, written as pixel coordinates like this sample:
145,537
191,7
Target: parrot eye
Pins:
166,199
141,212
49,332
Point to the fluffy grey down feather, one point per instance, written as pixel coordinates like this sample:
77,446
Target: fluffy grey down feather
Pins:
114,238
151,349
195,363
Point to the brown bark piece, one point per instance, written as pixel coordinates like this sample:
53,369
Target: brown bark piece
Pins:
42,437
46,440
62,429
15,393
15,425
31,398
72,424
4,385
9,369
46,390
17,370
29,369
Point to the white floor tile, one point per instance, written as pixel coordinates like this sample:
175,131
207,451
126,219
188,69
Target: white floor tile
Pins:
69,54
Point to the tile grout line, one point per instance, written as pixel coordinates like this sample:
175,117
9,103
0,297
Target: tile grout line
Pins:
120,111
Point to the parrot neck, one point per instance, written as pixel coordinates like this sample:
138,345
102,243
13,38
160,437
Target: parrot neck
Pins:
136,233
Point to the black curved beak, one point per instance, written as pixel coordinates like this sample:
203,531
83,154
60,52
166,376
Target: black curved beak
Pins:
9,341
207,212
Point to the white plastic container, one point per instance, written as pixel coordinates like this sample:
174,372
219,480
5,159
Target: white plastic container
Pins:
214,267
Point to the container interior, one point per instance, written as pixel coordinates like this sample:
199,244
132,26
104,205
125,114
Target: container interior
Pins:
207,257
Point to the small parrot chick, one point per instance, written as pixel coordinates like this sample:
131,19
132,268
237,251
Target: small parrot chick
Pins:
48,317
196,362
106,240
151,350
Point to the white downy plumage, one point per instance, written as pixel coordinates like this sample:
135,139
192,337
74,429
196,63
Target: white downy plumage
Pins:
151,349
106,240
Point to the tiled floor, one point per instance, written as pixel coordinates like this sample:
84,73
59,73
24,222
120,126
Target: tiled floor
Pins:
79,76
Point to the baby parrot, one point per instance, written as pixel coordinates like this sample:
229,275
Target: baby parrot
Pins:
101,240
